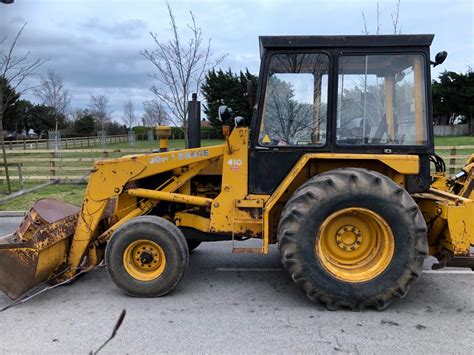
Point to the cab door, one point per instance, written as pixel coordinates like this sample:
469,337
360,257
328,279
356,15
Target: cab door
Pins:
292,116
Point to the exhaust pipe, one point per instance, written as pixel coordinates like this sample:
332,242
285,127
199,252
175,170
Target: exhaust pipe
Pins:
194,122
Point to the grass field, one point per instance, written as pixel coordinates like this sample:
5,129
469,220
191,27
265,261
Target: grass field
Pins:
70,193
454,141
73,193
464,140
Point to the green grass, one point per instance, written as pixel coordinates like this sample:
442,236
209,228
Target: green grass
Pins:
68,193
463,140
454,141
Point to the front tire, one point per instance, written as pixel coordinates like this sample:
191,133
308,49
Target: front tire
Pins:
352,238
147,256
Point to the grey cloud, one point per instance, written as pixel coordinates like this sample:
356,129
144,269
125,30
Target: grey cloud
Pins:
128,29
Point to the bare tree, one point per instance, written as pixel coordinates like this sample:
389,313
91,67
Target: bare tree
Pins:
397,29
155,113
291,120
52,93
180,67
395,20
99,106
129,117
15,70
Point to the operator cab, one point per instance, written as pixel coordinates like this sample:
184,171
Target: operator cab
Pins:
341,94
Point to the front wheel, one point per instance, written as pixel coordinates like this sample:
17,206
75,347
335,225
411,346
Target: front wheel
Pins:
352,238
147,256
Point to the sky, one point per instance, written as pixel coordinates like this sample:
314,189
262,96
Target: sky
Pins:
95,44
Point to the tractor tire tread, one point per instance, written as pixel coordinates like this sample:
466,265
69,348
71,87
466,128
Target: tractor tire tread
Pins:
319,190
168,236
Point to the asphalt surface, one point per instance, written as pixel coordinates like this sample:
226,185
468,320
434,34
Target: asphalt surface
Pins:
237,303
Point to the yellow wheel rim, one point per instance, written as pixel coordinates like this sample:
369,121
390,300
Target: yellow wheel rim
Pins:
144,260
354,244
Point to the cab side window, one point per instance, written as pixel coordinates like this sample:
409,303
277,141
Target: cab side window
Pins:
296,97
381,100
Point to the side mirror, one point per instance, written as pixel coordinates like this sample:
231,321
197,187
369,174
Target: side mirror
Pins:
250,95
439,58
225,113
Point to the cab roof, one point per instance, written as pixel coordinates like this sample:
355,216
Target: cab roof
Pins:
289,42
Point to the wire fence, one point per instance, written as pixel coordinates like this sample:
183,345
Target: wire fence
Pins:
101,140
63,143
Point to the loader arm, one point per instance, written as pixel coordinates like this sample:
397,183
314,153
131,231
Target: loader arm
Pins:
108,180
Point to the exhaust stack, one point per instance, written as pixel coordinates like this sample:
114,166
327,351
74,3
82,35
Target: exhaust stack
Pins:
194,122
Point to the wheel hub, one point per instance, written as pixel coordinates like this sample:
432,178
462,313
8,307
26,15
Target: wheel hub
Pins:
144,260
349,238
354,244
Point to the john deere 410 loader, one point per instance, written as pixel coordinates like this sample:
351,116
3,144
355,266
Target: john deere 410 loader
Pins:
337,166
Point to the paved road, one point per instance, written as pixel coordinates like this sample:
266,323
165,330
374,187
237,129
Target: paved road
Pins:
220,311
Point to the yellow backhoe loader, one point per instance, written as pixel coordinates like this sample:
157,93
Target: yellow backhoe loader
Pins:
337,166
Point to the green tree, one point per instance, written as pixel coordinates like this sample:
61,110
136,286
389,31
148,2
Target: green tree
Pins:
453,94
114,128
84,124
227,88
43,118
10,99
23,121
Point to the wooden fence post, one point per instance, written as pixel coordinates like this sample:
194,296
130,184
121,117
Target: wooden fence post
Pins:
20,175
452,161
52,171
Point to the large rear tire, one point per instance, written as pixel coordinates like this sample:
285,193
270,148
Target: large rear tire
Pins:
147,256
352,238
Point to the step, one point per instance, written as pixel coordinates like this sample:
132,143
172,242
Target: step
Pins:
247,250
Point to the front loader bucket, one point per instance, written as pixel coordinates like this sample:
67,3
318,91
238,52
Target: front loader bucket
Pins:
37,248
